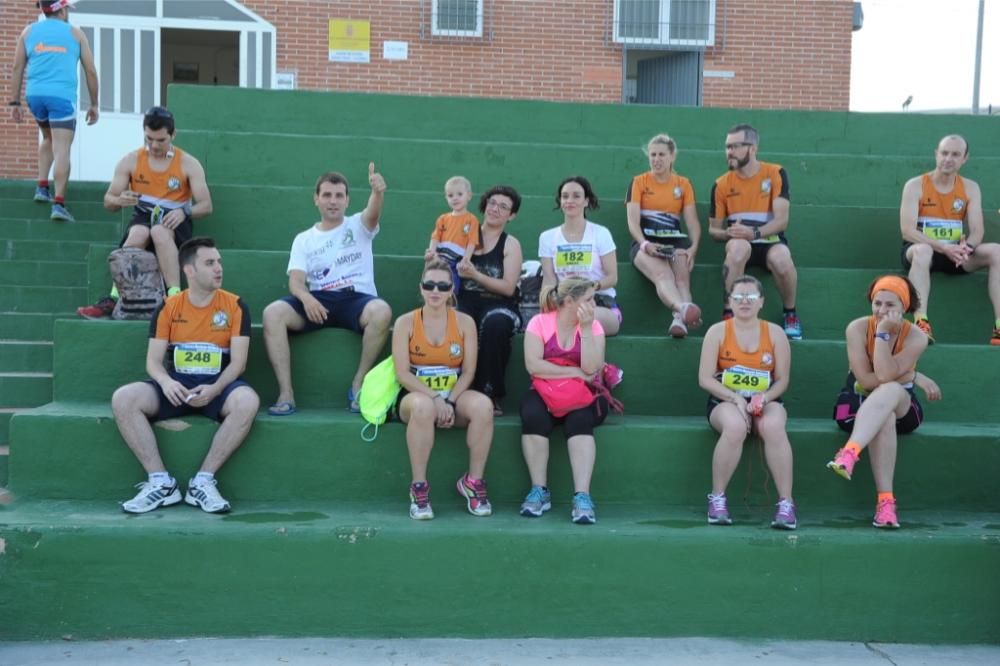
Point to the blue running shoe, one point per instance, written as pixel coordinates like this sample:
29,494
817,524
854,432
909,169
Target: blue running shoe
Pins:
538,501
793,328
42,195
583,509
60,213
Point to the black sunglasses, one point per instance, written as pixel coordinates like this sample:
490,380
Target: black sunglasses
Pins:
430,285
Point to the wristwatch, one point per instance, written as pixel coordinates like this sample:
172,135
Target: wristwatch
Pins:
14,102
756,233
882,336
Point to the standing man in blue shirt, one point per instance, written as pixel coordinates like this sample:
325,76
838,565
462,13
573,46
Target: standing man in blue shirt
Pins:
50,50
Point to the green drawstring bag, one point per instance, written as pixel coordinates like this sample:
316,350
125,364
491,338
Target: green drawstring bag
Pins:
378,396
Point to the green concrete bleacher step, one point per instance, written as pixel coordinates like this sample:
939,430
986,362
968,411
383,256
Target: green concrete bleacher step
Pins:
21,298
79,190
541,122
960,307
25,389
46,250
661,374
25,356
367,570
318,455
29,325
43,273
20,228
83,211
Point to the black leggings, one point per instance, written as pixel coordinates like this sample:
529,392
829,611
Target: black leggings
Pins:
496,325
536,419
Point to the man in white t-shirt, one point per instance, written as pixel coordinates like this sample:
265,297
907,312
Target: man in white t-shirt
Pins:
331,279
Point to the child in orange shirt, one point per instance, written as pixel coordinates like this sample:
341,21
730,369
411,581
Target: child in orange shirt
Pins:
456,234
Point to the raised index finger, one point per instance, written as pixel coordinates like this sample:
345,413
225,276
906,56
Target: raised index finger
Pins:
371,169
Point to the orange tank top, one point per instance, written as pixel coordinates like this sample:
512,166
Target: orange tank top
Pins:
742,371
897,346
168,189
437,366
940,216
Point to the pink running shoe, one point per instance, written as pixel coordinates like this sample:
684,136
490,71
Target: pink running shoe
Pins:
885,515
843,463
690,314
718,510
475,496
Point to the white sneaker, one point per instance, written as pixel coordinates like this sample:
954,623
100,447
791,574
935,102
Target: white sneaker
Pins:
152,497
206,496
677,328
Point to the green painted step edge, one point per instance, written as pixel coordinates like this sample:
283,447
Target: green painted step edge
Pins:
641,460
313,571
25,356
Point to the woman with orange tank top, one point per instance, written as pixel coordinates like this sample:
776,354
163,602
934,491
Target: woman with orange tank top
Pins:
745,364
434,350
878,402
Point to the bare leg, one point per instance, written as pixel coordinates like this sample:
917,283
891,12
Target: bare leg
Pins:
732,429
166,255
608,319
238,413
375,320
536,455
886,403
137,236
62,139
474,411
279,319
777,448
659,273
987,255
133,405
737,256
779,262
920,257
417,411
45,154
682,277
882,451
582,454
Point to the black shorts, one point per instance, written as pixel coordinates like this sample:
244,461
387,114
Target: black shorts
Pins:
345,308
849,401
939,263
758,252
681,243
182,232
212,410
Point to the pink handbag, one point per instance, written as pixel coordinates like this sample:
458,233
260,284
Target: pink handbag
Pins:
564,395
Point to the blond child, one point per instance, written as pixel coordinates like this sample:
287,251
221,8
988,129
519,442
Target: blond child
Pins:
456,233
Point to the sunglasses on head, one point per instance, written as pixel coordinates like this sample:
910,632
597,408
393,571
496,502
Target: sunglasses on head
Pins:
744,298
430,285
158,112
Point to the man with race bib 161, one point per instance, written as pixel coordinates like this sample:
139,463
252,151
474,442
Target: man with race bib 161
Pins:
931,216
748,211
331,278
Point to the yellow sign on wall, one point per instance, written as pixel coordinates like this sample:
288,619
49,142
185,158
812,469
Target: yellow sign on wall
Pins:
350,41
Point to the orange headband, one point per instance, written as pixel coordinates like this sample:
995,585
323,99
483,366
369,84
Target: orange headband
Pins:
896,285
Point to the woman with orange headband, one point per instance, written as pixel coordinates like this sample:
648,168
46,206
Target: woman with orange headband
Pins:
878,402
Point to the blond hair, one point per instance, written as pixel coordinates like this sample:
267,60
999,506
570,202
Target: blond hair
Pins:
665,139
553,296
459,180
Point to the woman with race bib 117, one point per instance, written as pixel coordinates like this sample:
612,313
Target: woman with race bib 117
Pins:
434,350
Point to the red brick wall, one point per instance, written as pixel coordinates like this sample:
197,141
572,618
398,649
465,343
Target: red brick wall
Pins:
540,50
18,143
792,54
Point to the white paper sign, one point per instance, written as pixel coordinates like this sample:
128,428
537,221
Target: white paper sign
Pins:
395,50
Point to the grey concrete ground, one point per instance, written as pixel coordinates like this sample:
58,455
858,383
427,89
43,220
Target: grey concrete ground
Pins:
448,652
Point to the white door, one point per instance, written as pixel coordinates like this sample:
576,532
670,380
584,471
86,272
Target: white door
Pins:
128,54
128,65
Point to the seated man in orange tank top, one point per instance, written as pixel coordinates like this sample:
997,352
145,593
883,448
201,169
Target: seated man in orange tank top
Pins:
932,217
167,188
